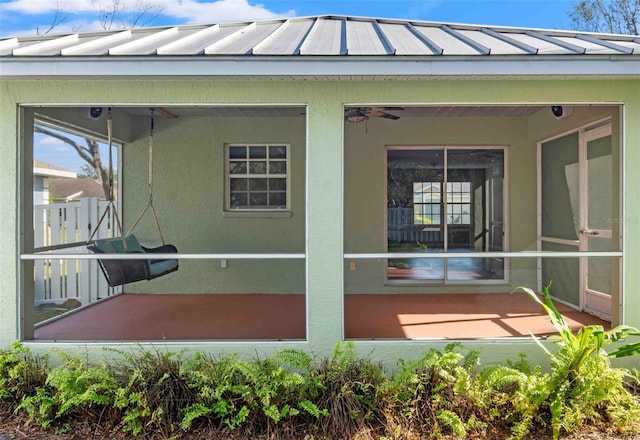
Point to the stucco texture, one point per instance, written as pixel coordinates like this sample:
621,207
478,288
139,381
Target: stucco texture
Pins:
326,219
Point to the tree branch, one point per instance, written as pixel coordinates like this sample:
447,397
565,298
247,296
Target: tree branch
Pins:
90,154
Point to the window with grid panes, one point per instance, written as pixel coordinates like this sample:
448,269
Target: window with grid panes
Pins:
459,203
257,177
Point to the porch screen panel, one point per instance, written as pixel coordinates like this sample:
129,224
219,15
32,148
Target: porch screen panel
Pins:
599,269
600,212
599,184
560,211
562,273
560,215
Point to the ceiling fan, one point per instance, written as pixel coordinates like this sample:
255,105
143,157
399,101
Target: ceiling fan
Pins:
359,114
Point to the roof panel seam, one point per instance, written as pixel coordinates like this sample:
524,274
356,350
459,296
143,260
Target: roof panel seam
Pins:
5,44
520,45
226,39
557,42
274,33
343,36
45,45
388,47
305,39
298,48
469,41
167,48
123,48
605,43
97,42
433,47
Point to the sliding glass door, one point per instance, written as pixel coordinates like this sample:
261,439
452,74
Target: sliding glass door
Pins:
445,200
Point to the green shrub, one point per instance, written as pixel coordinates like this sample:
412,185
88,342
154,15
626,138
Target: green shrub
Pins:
582,386
436,394
443,393
153,392
258,393
349,392
21,373
70,388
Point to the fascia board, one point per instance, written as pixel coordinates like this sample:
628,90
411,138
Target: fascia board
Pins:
321,66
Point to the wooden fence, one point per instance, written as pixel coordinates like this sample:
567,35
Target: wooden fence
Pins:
57,281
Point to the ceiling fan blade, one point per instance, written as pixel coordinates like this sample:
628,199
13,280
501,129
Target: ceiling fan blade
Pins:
387,115
165,113
380,112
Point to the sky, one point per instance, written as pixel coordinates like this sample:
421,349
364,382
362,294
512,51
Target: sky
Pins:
33,17
30,17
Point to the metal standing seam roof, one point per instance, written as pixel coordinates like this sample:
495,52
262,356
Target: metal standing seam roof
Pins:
338,37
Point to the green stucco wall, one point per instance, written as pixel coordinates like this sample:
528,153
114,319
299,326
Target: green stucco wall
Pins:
188,194
325,170
365,186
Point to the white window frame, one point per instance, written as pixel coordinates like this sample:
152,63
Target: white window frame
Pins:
506,279
228,177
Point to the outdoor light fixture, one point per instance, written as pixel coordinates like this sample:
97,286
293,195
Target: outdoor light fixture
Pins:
91,112
561,111
355,116
95,112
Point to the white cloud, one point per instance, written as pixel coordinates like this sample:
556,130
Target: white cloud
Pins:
217,11
50,141
35,7
72,16
187,10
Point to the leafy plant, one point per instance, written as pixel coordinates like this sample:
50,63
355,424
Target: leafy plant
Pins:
70,387
21,373
349,391
235,391
434,392
153,391
582,381
441,394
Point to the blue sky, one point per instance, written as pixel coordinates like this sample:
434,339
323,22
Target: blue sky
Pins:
26,17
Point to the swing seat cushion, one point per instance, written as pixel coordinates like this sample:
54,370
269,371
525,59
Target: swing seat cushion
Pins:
160,267
117,245
118,272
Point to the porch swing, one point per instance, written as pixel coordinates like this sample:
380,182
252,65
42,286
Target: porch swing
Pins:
119,272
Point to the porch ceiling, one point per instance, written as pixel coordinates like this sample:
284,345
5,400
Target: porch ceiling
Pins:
294,111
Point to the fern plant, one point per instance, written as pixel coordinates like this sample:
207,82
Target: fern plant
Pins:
434,393
70,387
21,373
349,392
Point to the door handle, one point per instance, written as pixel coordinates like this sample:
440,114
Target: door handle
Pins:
590,233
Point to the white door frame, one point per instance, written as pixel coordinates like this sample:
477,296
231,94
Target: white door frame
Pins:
586,134
589,296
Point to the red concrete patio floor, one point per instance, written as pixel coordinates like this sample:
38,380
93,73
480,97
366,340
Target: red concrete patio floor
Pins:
148,317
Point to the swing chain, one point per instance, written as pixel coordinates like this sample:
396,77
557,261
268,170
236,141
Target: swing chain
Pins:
111,207
110,137
150,204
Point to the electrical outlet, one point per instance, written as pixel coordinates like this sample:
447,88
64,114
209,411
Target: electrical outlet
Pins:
223,263
352,266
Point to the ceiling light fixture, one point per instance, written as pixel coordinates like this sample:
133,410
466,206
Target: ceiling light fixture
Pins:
355,116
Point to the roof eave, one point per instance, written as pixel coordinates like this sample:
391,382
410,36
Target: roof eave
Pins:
318,66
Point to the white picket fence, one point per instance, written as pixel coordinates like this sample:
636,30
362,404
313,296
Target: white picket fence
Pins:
62,223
